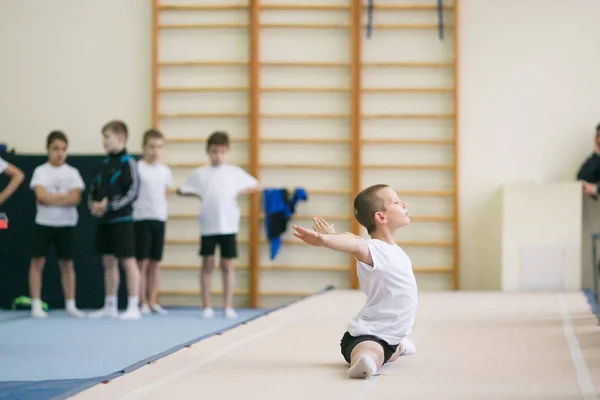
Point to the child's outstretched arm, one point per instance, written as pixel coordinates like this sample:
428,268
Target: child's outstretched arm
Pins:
323,227
346,243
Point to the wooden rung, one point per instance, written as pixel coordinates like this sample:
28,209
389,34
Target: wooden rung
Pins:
432,218
432,270
268,25
203,140
203,64
311,192
329,192
305,140
237,292
306,116
417,243
408,141
285,242
397,64
241,267
405,64
407,26
191,164
304,7
243,115
265,7
425,193
410,7
204,26
203,115
306,89
408,116
202,89
304,166
408,166
201,7
409,90
305,64
332,217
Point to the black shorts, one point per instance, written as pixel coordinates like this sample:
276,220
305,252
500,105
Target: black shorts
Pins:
349,342
227,245
117,239
60,237
149,239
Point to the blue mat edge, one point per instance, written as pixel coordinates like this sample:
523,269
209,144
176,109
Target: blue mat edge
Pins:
91,382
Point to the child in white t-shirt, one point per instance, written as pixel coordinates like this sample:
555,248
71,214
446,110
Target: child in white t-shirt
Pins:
57,188
218,185
379,332
16,178
150,215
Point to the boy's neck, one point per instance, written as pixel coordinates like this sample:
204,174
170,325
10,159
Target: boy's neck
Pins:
150,161
384,235
118,151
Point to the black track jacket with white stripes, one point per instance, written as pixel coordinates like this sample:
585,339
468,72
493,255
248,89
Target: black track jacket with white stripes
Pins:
118,180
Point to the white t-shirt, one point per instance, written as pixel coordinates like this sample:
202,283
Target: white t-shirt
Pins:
151,203
219,187
3,165
57,180
391,289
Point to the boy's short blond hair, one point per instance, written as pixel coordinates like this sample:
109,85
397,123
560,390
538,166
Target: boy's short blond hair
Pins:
366,204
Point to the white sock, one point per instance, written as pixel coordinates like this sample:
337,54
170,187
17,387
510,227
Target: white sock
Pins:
364,368
70,304
408,347
36,304
110,302
133,302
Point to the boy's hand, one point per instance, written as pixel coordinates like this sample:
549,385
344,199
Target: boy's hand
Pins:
321,226
98,208
309,237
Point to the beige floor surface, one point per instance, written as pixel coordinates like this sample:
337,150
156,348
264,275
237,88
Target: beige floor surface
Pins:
469,346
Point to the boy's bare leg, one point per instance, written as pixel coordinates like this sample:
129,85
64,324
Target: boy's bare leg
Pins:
133,289
111,285
36,269
228,285
143,264
365,359
67,278
153,287
208,263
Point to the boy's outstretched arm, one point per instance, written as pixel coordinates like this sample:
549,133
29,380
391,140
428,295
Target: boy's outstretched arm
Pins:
346,243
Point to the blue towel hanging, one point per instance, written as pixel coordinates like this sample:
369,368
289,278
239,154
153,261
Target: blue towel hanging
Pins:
279,208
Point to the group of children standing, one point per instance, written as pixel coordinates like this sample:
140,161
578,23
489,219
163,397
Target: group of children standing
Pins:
129,200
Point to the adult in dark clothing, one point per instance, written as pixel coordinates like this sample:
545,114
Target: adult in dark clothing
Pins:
589,173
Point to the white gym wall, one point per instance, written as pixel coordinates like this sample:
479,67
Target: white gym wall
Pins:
527,105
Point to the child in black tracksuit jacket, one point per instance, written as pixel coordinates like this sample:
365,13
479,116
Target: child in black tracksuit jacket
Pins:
111,197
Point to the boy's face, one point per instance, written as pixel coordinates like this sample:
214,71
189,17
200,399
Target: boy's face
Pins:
217,154
57,152
112,142
153,149
396,211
